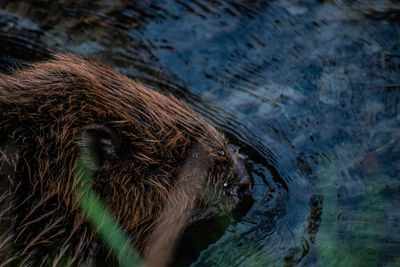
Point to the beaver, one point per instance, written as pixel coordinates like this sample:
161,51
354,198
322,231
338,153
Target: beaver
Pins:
156,165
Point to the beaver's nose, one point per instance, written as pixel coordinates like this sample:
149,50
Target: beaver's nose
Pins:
244,188
245,180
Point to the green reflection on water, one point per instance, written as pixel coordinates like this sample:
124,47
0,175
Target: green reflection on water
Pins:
356,242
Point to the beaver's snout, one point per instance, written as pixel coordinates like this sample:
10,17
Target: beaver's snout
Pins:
244,186
245,180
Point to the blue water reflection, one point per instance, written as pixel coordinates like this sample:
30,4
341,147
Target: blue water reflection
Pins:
309,91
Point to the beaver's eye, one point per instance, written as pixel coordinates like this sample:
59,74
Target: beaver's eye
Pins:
225,184
222,153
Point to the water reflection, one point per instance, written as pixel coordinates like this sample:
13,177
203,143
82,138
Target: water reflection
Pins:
308,90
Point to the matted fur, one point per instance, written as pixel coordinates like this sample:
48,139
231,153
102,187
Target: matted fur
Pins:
44,111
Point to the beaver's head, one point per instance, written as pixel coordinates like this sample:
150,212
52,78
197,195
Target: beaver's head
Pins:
153,159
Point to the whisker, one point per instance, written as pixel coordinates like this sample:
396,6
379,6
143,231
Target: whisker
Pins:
244,220
239,184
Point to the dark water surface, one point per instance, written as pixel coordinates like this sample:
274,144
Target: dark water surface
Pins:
308,90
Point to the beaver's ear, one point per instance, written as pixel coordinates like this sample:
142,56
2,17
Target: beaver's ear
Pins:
98,144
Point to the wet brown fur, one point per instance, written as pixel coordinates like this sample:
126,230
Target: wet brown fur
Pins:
44,110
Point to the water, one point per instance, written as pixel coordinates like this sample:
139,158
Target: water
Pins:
308,90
